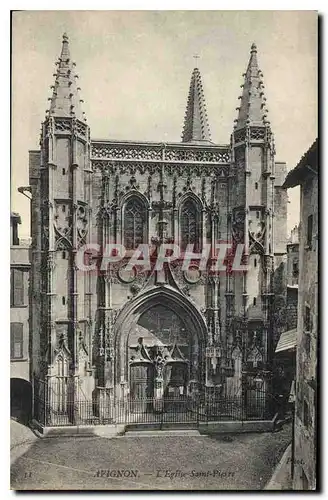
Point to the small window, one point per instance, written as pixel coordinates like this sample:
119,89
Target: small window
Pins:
257,215
256,185
64,301
64,256
307,344
295,268
307,319
255,262
309,231
306,415
254,301
64,171
16,340
64,208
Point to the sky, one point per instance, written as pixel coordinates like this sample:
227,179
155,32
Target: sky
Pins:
135,69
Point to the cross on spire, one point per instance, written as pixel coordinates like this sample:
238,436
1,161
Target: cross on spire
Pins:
196,128
196,56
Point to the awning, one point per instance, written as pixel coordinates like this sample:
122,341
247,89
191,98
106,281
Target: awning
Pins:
287,341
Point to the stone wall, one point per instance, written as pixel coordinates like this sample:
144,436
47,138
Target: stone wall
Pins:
305,425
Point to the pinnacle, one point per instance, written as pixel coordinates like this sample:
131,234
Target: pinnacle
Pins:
252,107
196,128
65,100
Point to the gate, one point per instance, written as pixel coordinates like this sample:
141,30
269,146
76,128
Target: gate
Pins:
179,412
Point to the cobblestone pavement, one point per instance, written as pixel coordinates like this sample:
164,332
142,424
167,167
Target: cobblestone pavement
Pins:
242,462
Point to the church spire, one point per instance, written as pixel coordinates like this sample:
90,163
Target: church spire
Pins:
196,128
65,100
252,109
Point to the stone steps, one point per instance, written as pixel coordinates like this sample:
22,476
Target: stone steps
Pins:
163,433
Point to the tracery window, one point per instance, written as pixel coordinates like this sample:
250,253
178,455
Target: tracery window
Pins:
190,225
135,226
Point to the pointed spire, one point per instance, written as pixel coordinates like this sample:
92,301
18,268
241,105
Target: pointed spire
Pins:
65,100
252,108
196,128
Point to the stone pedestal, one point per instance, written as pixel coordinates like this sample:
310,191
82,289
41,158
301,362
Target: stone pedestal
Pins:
104,403
158,394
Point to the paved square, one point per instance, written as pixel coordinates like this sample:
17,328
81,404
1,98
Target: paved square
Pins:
242,462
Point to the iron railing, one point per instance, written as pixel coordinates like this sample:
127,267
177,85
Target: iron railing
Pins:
49,410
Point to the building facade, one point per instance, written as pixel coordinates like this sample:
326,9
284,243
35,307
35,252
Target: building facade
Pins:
305,174
285,353
19,320
112,332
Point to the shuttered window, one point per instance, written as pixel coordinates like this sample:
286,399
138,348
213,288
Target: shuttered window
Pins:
17,287
16,340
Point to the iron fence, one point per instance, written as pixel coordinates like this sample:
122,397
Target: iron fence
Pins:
183,410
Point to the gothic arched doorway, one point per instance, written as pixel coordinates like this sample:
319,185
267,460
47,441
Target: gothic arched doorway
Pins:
159,348
160,341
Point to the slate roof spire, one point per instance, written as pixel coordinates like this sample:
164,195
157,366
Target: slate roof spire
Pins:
252,108
196,128
65,100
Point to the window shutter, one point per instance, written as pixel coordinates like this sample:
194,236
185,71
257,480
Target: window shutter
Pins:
309,231
11,287
18,287
16,340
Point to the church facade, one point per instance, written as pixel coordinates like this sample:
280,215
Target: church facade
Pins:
109,333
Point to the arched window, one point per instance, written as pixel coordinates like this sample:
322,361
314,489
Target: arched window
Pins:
190,225
135,223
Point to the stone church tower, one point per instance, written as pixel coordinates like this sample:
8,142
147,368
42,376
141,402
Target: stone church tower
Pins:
117,331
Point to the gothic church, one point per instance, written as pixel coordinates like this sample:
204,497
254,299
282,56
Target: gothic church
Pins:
142,334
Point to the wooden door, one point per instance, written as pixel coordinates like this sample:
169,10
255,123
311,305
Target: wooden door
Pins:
141,384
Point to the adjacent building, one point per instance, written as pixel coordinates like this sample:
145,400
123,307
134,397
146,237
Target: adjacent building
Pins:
305,175
107,334
19,319
285,353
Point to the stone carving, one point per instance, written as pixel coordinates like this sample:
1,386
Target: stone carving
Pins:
218,156
119,274
81,222
63,125
159,363
239,135
268,263
135,289
107,210
196,170
62,220
238,225
192,275
257,133
127,276
81,128
155,152
256,239
133,152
